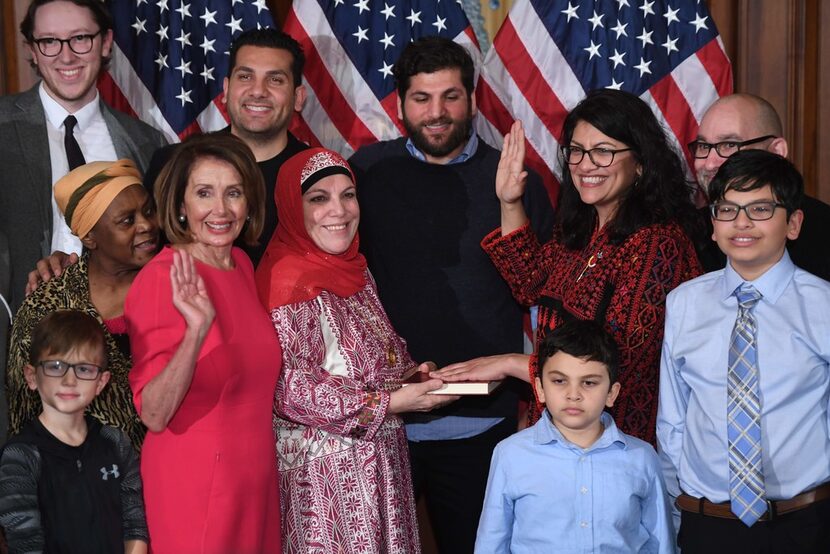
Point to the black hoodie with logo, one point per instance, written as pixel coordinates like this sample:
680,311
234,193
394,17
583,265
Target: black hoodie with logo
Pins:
59,498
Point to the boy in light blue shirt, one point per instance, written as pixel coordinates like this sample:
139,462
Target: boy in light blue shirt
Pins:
743,423
573,482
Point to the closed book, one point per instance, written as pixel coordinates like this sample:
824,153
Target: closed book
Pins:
459,388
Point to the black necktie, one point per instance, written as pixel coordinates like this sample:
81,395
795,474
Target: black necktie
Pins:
73,151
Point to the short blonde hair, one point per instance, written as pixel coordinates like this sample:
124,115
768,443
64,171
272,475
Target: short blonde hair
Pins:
172,182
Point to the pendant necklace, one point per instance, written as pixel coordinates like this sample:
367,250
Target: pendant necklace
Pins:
592,261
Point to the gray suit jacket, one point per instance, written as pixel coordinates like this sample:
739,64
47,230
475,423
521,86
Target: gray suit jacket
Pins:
26,176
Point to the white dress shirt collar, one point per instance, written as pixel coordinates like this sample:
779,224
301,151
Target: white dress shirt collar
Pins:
56,113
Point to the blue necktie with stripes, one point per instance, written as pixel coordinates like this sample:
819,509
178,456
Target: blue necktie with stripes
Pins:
746,477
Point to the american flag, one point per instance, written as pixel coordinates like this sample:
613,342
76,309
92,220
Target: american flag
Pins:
549,53
170,56
350,47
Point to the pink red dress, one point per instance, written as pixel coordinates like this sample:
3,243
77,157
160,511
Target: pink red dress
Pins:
210,481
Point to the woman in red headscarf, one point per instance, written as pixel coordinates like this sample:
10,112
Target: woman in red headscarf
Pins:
345,483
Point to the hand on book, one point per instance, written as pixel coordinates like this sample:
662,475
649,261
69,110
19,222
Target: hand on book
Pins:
416,397
486,368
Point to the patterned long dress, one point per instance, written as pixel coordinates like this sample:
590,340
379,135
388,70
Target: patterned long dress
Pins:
621,285
345,483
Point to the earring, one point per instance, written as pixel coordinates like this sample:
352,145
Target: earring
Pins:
182,218
248,218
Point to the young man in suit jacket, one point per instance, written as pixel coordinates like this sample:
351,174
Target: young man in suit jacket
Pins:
70,43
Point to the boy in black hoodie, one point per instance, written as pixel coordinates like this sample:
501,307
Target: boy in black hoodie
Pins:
68,483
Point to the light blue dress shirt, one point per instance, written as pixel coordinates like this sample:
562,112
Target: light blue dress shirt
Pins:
545,494
793,356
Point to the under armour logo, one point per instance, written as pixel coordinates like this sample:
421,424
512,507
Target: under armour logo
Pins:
105,474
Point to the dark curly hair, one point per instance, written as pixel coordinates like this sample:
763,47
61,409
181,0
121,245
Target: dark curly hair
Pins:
431,54
659,195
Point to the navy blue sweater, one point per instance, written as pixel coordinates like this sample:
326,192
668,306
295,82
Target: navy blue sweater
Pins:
421,228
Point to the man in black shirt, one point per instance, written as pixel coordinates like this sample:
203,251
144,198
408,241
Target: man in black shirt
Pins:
262,91
426,202
744,121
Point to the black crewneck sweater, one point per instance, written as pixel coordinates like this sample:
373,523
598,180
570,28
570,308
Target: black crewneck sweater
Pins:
421,230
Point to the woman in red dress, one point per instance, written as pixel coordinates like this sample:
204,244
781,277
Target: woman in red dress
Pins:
621,243
206,360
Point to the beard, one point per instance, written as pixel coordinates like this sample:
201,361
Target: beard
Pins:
457,135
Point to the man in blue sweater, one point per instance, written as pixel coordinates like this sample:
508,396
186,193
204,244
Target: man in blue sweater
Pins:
426,202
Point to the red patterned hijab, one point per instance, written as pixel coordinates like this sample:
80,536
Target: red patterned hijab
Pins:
293,268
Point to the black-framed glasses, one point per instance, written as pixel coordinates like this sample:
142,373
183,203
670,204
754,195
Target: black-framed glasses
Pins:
51,46
756,211
600,157
58,368
700,149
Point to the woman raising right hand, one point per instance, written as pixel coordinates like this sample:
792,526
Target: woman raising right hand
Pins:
621,243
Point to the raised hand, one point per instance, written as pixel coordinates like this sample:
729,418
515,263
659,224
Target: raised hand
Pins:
511,175
190,296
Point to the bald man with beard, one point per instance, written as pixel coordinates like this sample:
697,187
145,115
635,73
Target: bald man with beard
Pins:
744,121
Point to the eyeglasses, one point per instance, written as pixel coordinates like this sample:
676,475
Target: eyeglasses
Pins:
700,149
51,46
600,157
58,368
756,211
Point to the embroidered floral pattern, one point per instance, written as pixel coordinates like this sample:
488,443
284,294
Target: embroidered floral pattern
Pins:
320,161
628,284
345,483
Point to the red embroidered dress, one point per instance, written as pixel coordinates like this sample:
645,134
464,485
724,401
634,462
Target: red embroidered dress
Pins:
625,285
345,481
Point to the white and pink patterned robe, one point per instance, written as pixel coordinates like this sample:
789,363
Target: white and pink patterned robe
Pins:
345,483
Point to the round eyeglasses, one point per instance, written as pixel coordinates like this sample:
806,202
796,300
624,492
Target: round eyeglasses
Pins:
51,46
756,211
700,149
58,368
600,157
